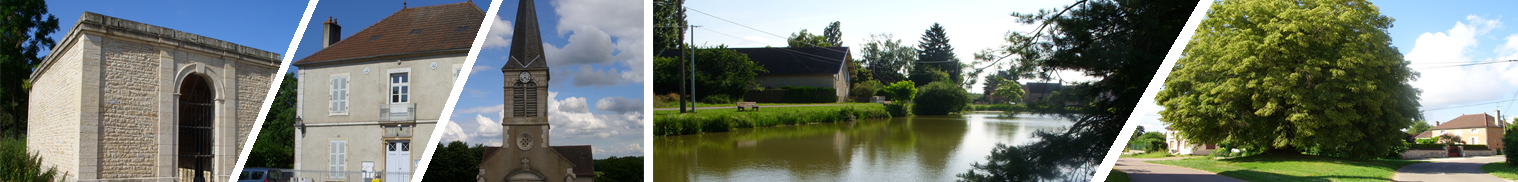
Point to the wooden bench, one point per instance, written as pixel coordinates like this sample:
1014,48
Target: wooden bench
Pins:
751,105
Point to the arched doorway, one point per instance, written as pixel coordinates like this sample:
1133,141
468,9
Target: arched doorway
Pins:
197,111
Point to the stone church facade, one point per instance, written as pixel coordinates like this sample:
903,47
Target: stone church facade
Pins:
368,104
118,100
525,154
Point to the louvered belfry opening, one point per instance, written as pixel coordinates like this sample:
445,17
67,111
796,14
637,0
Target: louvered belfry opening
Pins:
196,115
525,100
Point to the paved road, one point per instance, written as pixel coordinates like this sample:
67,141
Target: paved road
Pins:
1466,169
761,107
1141,171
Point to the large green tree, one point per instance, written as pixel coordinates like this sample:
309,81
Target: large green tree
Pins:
1120,42
1418,127
832,34
23,38
886,58
455,161
1293,74
272,149
620,169
668,19
935,54
804,39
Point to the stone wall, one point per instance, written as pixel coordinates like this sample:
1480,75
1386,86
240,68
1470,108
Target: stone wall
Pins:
128,109
1426,153
53,123
252,89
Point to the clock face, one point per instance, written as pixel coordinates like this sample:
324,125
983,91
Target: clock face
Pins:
524,141
524,77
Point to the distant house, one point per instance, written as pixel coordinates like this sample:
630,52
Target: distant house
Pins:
1037,91
1179,146
1474,129
825,67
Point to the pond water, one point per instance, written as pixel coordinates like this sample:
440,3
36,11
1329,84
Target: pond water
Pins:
915,148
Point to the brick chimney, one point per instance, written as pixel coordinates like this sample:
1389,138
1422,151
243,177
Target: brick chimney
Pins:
331,32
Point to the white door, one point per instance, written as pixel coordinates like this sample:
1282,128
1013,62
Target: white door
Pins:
398,161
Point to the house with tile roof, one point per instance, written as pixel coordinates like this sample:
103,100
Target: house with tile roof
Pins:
364,100
1474,129
1180,146
526,154
823,67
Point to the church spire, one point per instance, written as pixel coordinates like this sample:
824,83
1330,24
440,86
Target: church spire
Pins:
526,43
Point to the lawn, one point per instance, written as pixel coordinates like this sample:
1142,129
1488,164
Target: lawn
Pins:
1501,170
1117,176
1148,155
1272,167
720,120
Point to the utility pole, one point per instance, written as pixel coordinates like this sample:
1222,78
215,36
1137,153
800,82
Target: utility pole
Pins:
680,6
693,68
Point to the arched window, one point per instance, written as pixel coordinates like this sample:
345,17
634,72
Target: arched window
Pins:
525,99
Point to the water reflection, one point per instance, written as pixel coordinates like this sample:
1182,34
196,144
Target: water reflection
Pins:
920,148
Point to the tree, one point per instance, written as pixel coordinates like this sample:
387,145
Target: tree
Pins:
24,35
455,161
1120,42
832,34
886,58
1510,135
1325,76
804,39
619,169
935,53
1010,90
940,98
901,92
724,71
1448,139
272,149
668,20
862,91
1418,127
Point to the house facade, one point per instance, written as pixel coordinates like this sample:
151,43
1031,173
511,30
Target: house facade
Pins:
368,104
121,100
1038,91
1474,129
526,155
1180,146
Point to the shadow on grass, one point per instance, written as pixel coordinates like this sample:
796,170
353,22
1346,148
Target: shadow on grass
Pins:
1277,167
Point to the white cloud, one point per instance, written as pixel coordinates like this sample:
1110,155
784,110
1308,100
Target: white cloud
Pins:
592,77
487,127
1447,86
619,104
480,110
588,45
572,119
500,33
479,69
453,133
621,18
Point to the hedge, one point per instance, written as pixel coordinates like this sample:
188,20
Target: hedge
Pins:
809,95
1441,146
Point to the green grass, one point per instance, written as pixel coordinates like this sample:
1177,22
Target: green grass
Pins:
721,120
1270,167
1148,155
1117,176
1501,170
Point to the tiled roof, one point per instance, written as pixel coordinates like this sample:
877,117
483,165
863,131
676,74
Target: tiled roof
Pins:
1425,134
426,29
791,60
1040,87
1468,121
580,155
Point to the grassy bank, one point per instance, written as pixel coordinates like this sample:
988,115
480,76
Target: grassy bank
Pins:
720,120
1117,176
735,106
1295,168
1501,170
1148,155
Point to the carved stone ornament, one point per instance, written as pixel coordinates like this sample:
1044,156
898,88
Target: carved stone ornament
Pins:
524,141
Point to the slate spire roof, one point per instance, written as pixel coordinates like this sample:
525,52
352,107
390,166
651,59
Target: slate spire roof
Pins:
526,43
416,30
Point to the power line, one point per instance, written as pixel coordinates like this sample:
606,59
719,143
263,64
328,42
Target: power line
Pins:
755,29
1469,105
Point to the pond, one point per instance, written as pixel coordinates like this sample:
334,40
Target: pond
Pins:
914,148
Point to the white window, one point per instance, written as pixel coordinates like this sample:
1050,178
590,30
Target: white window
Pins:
1473,130
400,85
337,161
339,95
1474,141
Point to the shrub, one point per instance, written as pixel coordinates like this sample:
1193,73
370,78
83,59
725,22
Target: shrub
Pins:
809,95
901,91
1510,135
18,165
940,98
862,91
666,100
1427,141
898,109
716,121
717,99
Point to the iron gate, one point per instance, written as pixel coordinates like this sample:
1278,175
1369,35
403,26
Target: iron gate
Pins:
196,113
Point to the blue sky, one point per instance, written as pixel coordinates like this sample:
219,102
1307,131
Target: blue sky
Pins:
594,49
264,25
1435,34
971,25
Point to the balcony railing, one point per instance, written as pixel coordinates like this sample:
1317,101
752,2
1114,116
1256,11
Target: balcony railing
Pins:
392,113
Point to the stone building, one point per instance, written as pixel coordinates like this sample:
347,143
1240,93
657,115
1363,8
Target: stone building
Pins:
118,100
526,155
1473,129
365,100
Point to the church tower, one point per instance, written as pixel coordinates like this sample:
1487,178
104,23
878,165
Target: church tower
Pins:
525,154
